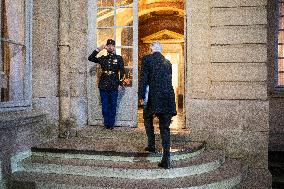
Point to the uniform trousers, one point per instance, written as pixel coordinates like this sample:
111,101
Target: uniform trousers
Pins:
109,103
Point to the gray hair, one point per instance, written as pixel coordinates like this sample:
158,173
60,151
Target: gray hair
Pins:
156,46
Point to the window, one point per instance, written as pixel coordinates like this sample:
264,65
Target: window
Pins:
114,22
280,59
15,53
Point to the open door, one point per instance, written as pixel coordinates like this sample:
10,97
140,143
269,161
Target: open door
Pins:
116,19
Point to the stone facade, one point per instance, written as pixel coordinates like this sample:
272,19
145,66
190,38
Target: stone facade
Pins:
229,101
226,86
276,98
45,57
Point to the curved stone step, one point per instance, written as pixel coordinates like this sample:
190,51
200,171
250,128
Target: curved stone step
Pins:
142,169
228,176
128,133
105,149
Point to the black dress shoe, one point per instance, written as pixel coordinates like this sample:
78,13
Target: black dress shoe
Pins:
165,164
150,149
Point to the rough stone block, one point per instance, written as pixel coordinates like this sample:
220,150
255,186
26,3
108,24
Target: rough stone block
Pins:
251,147
78,84
199,91
79,110
198,73
238,90
239,16
45,83
250,141
254,116
48,105
198,134
198,12
239,72
214,115
45,49
239,53
198,80
276,118
239,34
236,3
199,36
78,15
276,142
78,48
199,55
199,5
228,125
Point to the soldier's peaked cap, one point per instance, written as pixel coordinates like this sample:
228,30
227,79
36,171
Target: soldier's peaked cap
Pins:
110,42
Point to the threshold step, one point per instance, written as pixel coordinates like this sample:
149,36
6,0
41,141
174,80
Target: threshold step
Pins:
140,169
228,176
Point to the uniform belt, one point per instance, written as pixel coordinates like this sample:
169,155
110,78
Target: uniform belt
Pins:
108,72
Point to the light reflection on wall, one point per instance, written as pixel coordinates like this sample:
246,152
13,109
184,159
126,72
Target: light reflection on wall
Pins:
174,59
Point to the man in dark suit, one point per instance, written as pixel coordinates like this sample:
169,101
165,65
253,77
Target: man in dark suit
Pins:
111,80
156,73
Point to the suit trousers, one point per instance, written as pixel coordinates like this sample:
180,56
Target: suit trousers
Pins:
164,126
109,103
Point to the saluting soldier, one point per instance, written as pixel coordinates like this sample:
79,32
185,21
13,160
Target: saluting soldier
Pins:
111,80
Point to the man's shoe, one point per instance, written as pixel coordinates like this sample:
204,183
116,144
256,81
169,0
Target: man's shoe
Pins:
150,149
165,164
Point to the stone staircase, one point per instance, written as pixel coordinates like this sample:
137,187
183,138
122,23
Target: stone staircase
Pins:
115,159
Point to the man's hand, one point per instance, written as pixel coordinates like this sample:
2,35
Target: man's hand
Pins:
101,48
141,101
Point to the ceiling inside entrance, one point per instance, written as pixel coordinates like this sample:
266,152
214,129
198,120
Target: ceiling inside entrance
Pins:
147,9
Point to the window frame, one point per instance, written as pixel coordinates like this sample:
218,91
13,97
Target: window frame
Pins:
27,102
278,87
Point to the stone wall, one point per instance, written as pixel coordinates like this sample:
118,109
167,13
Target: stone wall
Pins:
46,59
276,98
227,103
78,61
45,75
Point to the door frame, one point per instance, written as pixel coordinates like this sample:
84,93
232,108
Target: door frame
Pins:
91,45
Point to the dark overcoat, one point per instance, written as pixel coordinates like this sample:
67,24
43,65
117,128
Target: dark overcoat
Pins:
156,71
113,71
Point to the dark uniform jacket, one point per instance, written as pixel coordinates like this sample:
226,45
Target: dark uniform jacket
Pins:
156,71
111,65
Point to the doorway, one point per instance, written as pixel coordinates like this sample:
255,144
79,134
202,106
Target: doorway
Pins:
165,22
134,24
